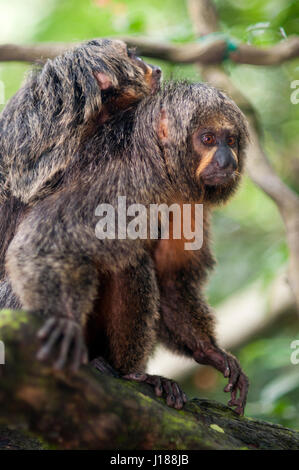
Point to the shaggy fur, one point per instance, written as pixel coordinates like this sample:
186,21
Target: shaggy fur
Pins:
123,295
57,109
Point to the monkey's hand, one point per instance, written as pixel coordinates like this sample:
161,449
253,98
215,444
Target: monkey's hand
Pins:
211,355
64,335
175,397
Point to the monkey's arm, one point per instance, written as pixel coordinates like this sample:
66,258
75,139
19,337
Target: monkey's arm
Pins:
53,276
187,326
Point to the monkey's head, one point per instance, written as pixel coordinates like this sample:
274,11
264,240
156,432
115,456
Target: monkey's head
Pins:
96,80
122,76
216,148
202,134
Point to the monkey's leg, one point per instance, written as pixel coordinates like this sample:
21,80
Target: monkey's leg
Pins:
187,326
53,277
129,303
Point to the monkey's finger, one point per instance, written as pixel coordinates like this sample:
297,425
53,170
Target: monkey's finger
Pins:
178,394
240,403
221,362
243,386
233,398
65,346
45,351
46,329
239,407
78,352
156,381
234,375
226,366
234,401
167,387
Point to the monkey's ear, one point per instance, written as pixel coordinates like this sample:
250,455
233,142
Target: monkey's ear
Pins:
163,126
103,80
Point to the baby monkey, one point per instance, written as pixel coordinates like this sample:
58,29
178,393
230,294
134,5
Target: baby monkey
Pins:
114,298
60,105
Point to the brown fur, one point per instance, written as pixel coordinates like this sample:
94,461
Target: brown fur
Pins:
57,110
124,294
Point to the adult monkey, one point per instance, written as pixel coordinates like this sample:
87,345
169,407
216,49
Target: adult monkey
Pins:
57,109
118,296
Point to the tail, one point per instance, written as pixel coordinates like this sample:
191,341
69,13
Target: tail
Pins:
11,212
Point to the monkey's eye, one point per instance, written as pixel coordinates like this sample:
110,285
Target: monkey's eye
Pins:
208,139
231,141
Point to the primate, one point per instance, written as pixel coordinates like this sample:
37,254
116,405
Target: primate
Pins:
113,299
58,108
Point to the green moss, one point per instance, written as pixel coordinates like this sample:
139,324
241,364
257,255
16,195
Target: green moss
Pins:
12,318
216,428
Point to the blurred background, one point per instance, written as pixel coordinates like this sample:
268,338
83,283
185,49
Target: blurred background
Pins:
249,237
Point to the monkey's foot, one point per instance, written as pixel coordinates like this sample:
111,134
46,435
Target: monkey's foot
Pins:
175,397
65,336
211,355
102,365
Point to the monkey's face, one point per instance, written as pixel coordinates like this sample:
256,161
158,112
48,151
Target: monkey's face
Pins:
123,78
130,70
216,149
203,136
133,70
151,73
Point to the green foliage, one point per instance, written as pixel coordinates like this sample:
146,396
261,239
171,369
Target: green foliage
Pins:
249,242
82,19
257,22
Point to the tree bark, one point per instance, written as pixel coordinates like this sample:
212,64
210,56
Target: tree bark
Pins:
90,410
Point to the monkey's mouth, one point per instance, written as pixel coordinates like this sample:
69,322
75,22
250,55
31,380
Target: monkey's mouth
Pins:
217,178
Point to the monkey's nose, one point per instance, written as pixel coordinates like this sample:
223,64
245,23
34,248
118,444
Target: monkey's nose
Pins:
225,159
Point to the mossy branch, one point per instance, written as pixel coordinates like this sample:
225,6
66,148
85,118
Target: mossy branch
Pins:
94,411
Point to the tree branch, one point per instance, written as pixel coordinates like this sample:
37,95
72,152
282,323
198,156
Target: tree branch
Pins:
211,52
32,53
90,410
